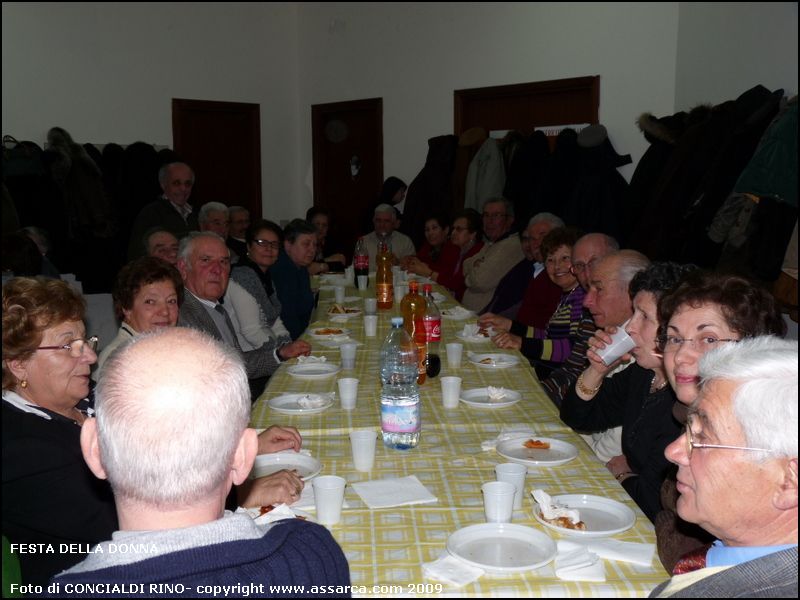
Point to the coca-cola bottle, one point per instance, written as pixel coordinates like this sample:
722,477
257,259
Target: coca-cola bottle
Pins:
360,260
413,309
433,332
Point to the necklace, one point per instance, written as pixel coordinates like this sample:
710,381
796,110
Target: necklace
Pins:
653,387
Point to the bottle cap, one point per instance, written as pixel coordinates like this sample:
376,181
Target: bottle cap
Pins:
413,286
397,321
427,288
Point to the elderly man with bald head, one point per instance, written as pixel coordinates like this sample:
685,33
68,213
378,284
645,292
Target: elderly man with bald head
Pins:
172,442
171,212
385,223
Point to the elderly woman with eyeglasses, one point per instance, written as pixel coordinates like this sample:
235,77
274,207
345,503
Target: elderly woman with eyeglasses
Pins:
637,398
255,300
704,312
49,494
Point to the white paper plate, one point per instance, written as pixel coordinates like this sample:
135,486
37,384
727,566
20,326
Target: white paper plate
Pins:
267,464
313,332
479,398
334,279
602,516
559,453
352,311
473,339
499,361
255,514
289,404
502,547
318,370
458,315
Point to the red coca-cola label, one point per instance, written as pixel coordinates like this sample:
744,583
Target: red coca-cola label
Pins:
433,330
361,262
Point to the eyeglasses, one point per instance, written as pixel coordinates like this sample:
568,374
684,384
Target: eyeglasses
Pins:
75,347
691,444
267,244
494,216
580,267
671,343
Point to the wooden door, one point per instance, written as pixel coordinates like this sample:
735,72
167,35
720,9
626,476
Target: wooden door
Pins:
221,141
347,140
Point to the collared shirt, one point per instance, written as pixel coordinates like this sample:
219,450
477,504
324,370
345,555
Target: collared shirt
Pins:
184,211
720,555
219,320
537,268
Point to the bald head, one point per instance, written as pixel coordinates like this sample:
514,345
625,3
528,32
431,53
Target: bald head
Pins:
607,297
587,251
171,408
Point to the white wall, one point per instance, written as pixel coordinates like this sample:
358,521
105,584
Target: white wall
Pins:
415,55
107,71
724,49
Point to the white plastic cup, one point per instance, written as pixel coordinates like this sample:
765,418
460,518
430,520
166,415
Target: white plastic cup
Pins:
370,325
371,306
399,292
621,343
338,292
348,392
349,273
498,501
514,474
363,444
451,391
363,280
328,497
348,352
396,277
454,351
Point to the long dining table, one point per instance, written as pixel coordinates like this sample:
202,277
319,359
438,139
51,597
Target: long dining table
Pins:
386,548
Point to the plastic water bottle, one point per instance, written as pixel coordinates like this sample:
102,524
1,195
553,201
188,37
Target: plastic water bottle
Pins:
433,332
401,418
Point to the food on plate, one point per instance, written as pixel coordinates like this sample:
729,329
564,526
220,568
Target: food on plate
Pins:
537,445
328,331
338,309
265,509
487,361
565,522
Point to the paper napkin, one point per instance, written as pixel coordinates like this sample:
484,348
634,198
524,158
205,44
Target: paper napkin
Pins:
632,552
311,359
578,564
383,493
451,570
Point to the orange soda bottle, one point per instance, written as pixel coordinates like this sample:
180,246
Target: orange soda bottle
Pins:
413,307
384,290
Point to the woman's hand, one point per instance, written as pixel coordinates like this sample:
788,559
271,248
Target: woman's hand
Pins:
498,323
283,487
276,438
507,340
601,338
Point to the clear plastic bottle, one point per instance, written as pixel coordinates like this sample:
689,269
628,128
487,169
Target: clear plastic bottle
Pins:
433,332
401,417
360,260
384,288
413,309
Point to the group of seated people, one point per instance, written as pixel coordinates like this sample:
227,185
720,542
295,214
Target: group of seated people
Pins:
549,291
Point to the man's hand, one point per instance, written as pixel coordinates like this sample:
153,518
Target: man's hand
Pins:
283,487
296,348
507,340
278,438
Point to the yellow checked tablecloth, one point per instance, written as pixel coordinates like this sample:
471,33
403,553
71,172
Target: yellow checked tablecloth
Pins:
387,547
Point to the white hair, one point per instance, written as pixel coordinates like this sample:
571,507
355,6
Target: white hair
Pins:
167,436
384,208
546,217
611,244
765,399
628,263
187,244
209,207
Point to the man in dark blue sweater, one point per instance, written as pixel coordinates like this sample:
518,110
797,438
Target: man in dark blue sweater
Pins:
172,442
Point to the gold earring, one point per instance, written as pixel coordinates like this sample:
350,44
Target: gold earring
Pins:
23,384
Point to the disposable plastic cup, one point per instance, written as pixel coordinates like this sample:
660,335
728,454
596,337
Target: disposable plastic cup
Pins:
515,474
400,291
363,444
338,293
621,343
370,325
363,280
451,391
348,392
498,501
349,273
454,351
370,306
329,497
348,352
